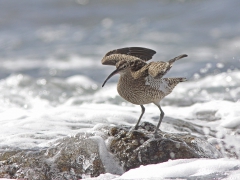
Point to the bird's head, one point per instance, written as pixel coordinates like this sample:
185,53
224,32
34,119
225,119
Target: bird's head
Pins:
121,67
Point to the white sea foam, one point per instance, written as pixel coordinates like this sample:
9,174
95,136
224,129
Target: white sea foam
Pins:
108,160
223,86
227,169
184,168
81,80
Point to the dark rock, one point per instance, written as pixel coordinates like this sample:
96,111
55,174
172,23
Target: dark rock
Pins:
69,158
86,154
139,147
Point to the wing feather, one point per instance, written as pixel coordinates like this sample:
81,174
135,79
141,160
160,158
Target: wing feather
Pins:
158,69
112,57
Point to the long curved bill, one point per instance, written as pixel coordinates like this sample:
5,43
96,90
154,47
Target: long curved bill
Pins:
110,75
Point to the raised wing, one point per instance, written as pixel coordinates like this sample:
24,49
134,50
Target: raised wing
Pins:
159,69
131,53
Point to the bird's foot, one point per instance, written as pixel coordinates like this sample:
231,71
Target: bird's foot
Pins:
132,129
158,135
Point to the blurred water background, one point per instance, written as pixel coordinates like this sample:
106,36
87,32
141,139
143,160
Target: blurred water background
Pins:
51,72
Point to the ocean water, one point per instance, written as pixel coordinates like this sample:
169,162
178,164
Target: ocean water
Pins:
51,72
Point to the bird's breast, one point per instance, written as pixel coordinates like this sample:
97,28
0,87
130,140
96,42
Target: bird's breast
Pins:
139,91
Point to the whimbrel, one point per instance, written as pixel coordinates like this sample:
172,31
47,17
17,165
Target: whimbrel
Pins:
140,82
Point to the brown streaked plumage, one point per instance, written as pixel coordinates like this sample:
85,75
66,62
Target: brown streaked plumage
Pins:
140,82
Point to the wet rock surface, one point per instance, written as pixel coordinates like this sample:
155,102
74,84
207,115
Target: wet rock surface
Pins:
108,150
69,158
140,147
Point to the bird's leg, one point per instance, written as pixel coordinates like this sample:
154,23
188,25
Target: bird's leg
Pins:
161,117
143,110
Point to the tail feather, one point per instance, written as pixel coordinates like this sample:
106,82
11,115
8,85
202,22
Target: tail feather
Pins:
182,79
175,80
172,82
